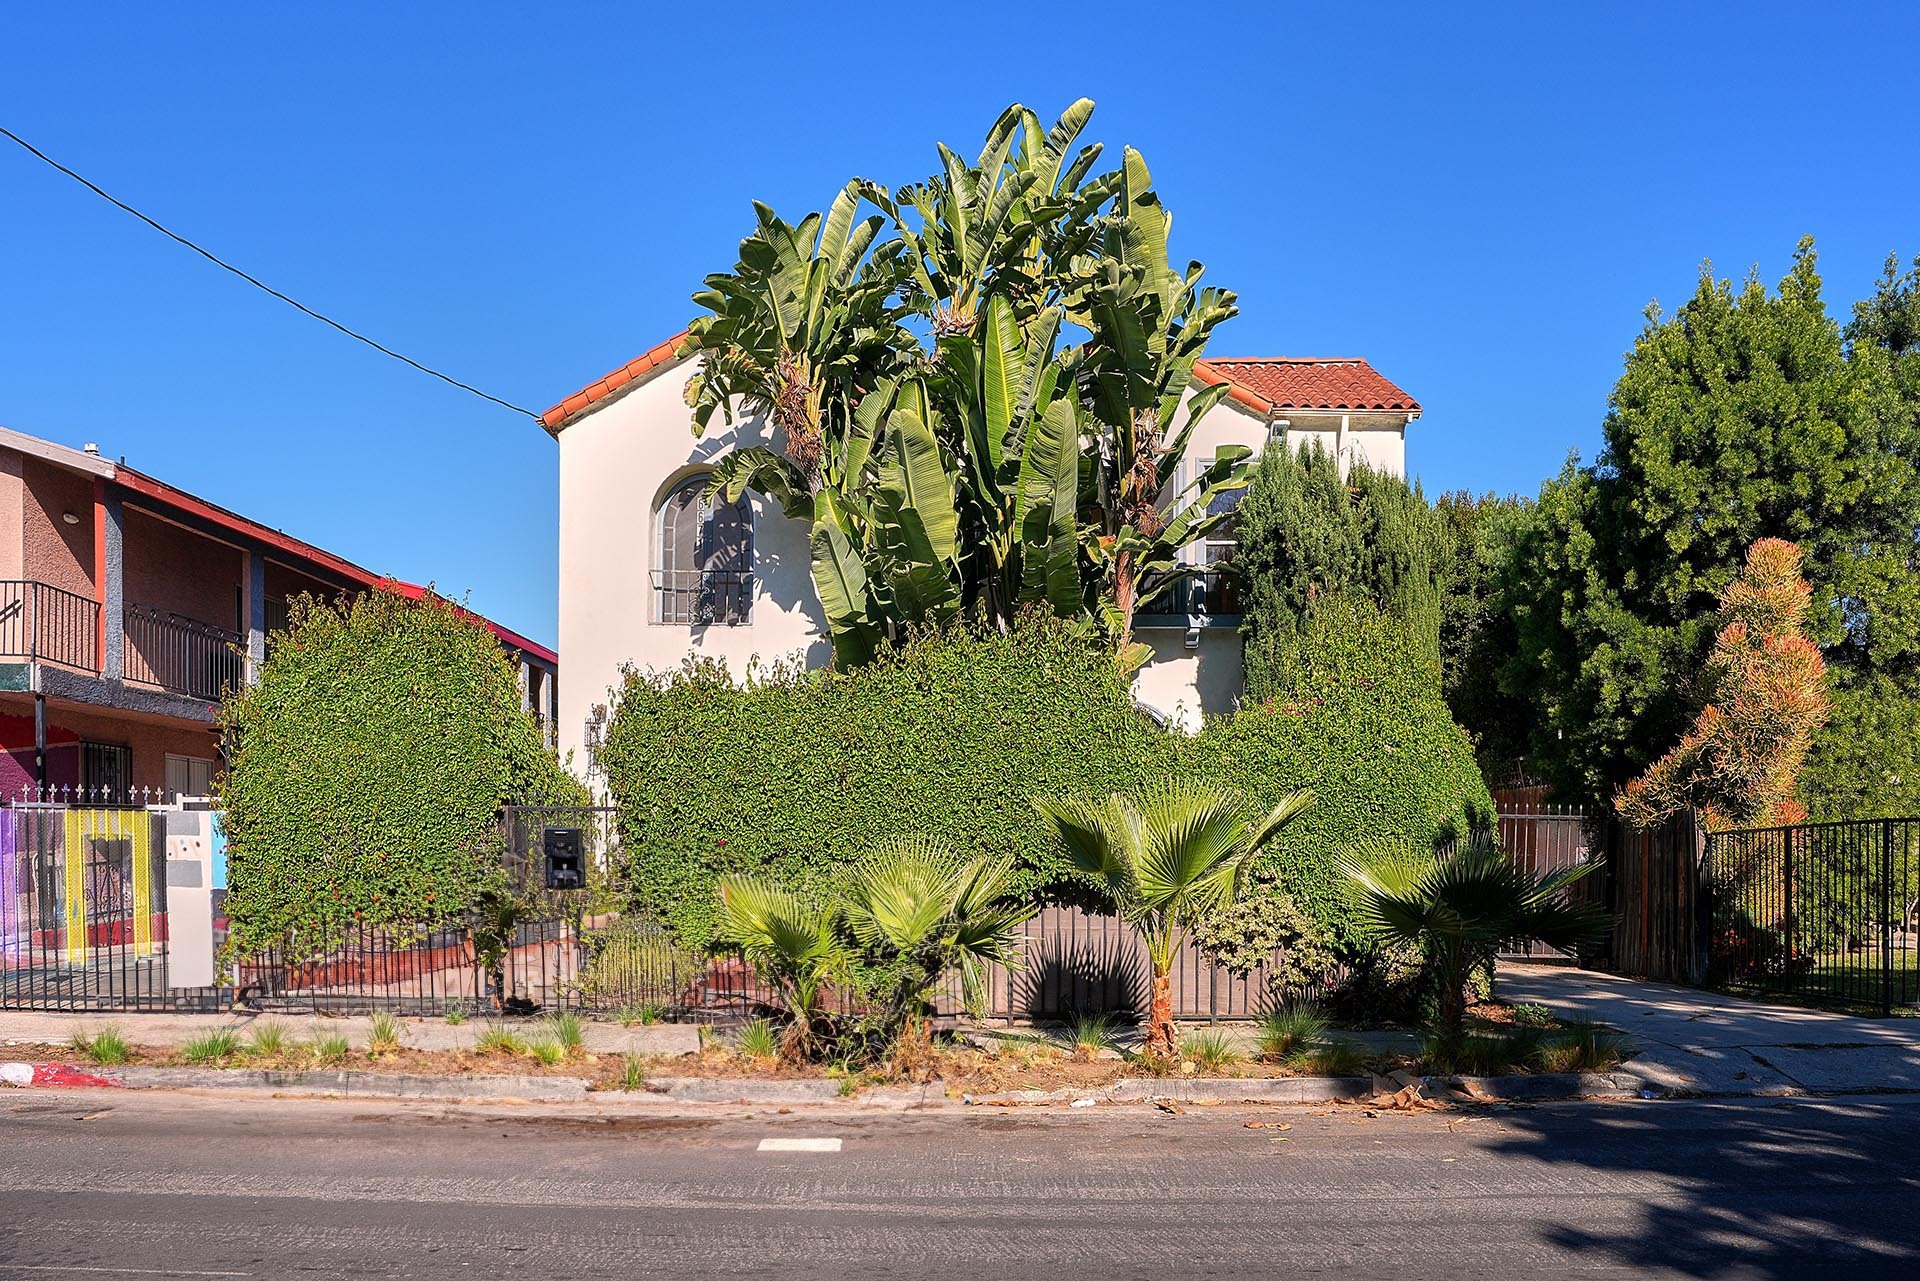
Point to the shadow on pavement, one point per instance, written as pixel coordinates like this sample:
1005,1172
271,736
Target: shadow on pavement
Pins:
1789,1189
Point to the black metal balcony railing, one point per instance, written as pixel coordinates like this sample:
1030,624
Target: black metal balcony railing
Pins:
41,622
702,598
1222,595
182,655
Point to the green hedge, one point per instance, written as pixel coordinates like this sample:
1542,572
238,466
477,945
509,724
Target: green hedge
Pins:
1356,714
796,774
366,770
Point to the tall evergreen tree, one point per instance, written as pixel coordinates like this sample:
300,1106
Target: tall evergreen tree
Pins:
1305,535
1746,415
1477,631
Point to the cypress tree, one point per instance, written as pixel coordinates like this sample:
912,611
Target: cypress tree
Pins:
1306,535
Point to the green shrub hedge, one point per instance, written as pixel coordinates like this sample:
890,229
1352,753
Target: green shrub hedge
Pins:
796,774
366,770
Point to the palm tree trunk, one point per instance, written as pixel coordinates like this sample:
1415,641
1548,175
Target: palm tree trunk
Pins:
1160,1043
1123,595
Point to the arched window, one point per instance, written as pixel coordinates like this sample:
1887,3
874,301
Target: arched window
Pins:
704,570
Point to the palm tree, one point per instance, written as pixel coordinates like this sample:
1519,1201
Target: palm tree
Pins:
792,944
920,910
1165,858
1461,903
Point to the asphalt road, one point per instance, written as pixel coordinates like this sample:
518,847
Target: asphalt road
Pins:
104,1185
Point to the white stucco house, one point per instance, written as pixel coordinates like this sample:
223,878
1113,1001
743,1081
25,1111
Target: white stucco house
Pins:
651,569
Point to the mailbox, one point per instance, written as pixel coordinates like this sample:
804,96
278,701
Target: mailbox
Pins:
564,848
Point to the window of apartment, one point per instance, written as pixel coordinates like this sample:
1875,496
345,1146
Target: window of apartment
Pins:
704,572
1216,549
106,772
188,776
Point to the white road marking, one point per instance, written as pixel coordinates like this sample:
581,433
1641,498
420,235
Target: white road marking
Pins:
799,1145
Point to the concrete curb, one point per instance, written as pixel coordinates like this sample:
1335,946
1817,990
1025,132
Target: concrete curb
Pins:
338,1084
502,1088
1318,1089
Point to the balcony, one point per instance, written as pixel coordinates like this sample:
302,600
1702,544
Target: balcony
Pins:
1175,601
702,598
182,655
43,623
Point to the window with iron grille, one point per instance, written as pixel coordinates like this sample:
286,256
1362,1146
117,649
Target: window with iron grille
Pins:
106,772
704,573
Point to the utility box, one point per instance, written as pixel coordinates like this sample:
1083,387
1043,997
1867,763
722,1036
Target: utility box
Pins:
196,880
565,851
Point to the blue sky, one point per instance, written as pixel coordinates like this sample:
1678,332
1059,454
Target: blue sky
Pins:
525,195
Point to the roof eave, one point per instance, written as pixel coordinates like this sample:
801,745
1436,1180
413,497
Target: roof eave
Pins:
602,392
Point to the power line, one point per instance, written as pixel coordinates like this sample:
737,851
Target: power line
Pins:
257,284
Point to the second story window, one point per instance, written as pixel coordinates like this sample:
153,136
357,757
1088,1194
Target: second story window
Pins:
1216,551
704,569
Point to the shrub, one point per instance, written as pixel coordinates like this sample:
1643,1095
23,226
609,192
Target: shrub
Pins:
498,1038
565,1030
211,1048
1480,1053
1338,1057
759,1040
329,1049
1583,1047
1352,714
1089,1034
106,1047
366,769
267,1040
796,775
1211,1051
383,1033
1289,1029
1531,1015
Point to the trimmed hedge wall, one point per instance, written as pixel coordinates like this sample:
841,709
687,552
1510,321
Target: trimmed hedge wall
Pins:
797,773
366,770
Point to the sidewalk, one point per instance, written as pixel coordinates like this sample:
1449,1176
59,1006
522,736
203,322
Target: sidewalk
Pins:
1711,1043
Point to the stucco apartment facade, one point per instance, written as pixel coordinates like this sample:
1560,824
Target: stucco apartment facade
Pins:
127,605
652,569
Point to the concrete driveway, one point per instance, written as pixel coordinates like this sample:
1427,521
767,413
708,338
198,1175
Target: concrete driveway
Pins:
1712,1043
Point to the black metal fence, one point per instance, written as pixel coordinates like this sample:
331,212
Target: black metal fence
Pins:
1827,912
41,621
182,655
83,914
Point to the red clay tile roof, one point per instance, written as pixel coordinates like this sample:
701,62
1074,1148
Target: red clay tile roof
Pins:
1303,382
637,368
1262,384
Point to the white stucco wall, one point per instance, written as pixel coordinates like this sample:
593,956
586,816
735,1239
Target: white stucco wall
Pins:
616,465
619,462
1378,440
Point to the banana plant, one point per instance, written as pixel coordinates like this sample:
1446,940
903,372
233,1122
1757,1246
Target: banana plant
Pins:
806,318
994,226
1149,326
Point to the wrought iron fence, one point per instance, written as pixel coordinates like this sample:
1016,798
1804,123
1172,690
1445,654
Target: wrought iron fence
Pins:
1827,912
83,909
42,622
182,655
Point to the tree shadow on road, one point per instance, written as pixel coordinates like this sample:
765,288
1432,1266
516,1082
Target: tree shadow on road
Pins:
1790,1189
